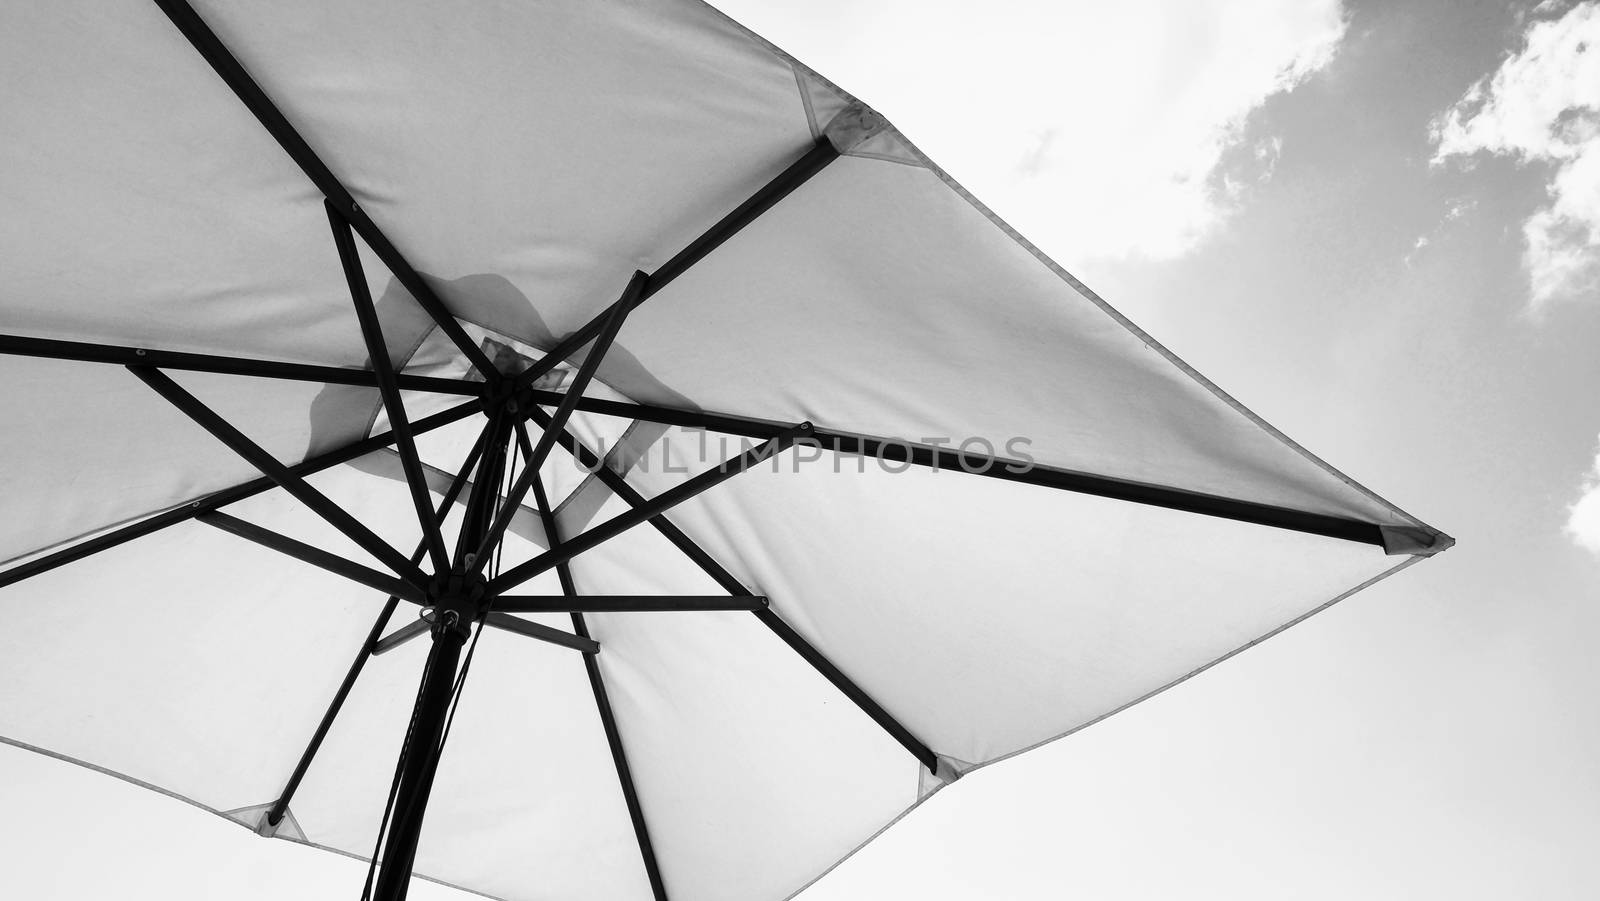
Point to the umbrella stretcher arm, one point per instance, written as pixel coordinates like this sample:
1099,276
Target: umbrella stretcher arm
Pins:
223,62
597,686
592,462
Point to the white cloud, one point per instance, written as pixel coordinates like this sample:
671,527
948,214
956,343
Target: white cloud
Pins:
1095,129
1543,106
1416,249
1583,517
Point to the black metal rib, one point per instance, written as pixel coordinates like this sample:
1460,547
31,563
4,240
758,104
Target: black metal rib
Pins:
52,349
718,573
626,603
205,41
619,486
798,173
285,478
507,622
661,503
400,636
378,353
486,487
602,701
848,688
226,496
558,419
315,556
368,648
896,451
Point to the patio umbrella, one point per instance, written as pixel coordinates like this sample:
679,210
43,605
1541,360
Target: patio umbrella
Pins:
760,481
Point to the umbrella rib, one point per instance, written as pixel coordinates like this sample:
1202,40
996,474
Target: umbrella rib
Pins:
368,647
798,173
625,603
518,626
592,462
378,352
319,503
989,466
223,62
398,637
536,457
848,688
313,555
602,700
491,470
222,498
49,348
661,503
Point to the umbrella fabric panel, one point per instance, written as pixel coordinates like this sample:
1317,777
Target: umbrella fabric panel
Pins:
989,616
754,774
208,631
564,474
527,743
190,660
530,156
878,300
193,659
87,445
888,302
686,73
199,663
526,803
146,205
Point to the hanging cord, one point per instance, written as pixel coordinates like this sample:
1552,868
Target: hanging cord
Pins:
472,649
394,785
405,746
455,692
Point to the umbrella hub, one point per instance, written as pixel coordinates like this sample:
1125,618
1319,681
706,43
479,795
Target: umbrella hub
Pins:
456,600
508,396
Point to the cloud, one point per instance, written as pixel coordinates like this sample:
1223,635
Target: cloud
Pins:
1416,249
1458,209
1542,106
1096,129
1131,166
1033,161
1583,517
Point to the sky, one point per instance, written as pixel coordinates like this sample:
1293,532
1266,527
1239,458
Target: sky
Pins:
1375,224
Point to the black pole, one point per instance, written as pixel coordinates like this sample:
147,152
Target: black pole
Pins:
536,456
421,755
455,607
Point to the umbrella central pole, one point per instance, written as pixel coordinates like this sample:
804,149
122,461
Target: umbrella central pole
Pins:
458,600
421,756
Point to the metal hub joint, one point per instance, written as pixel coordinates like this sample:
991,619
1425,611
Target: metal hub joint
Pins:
456,601
507,395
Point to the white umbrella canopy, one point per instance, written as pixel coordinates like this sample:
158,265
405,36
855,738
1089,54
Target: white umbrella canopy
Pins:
887,494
